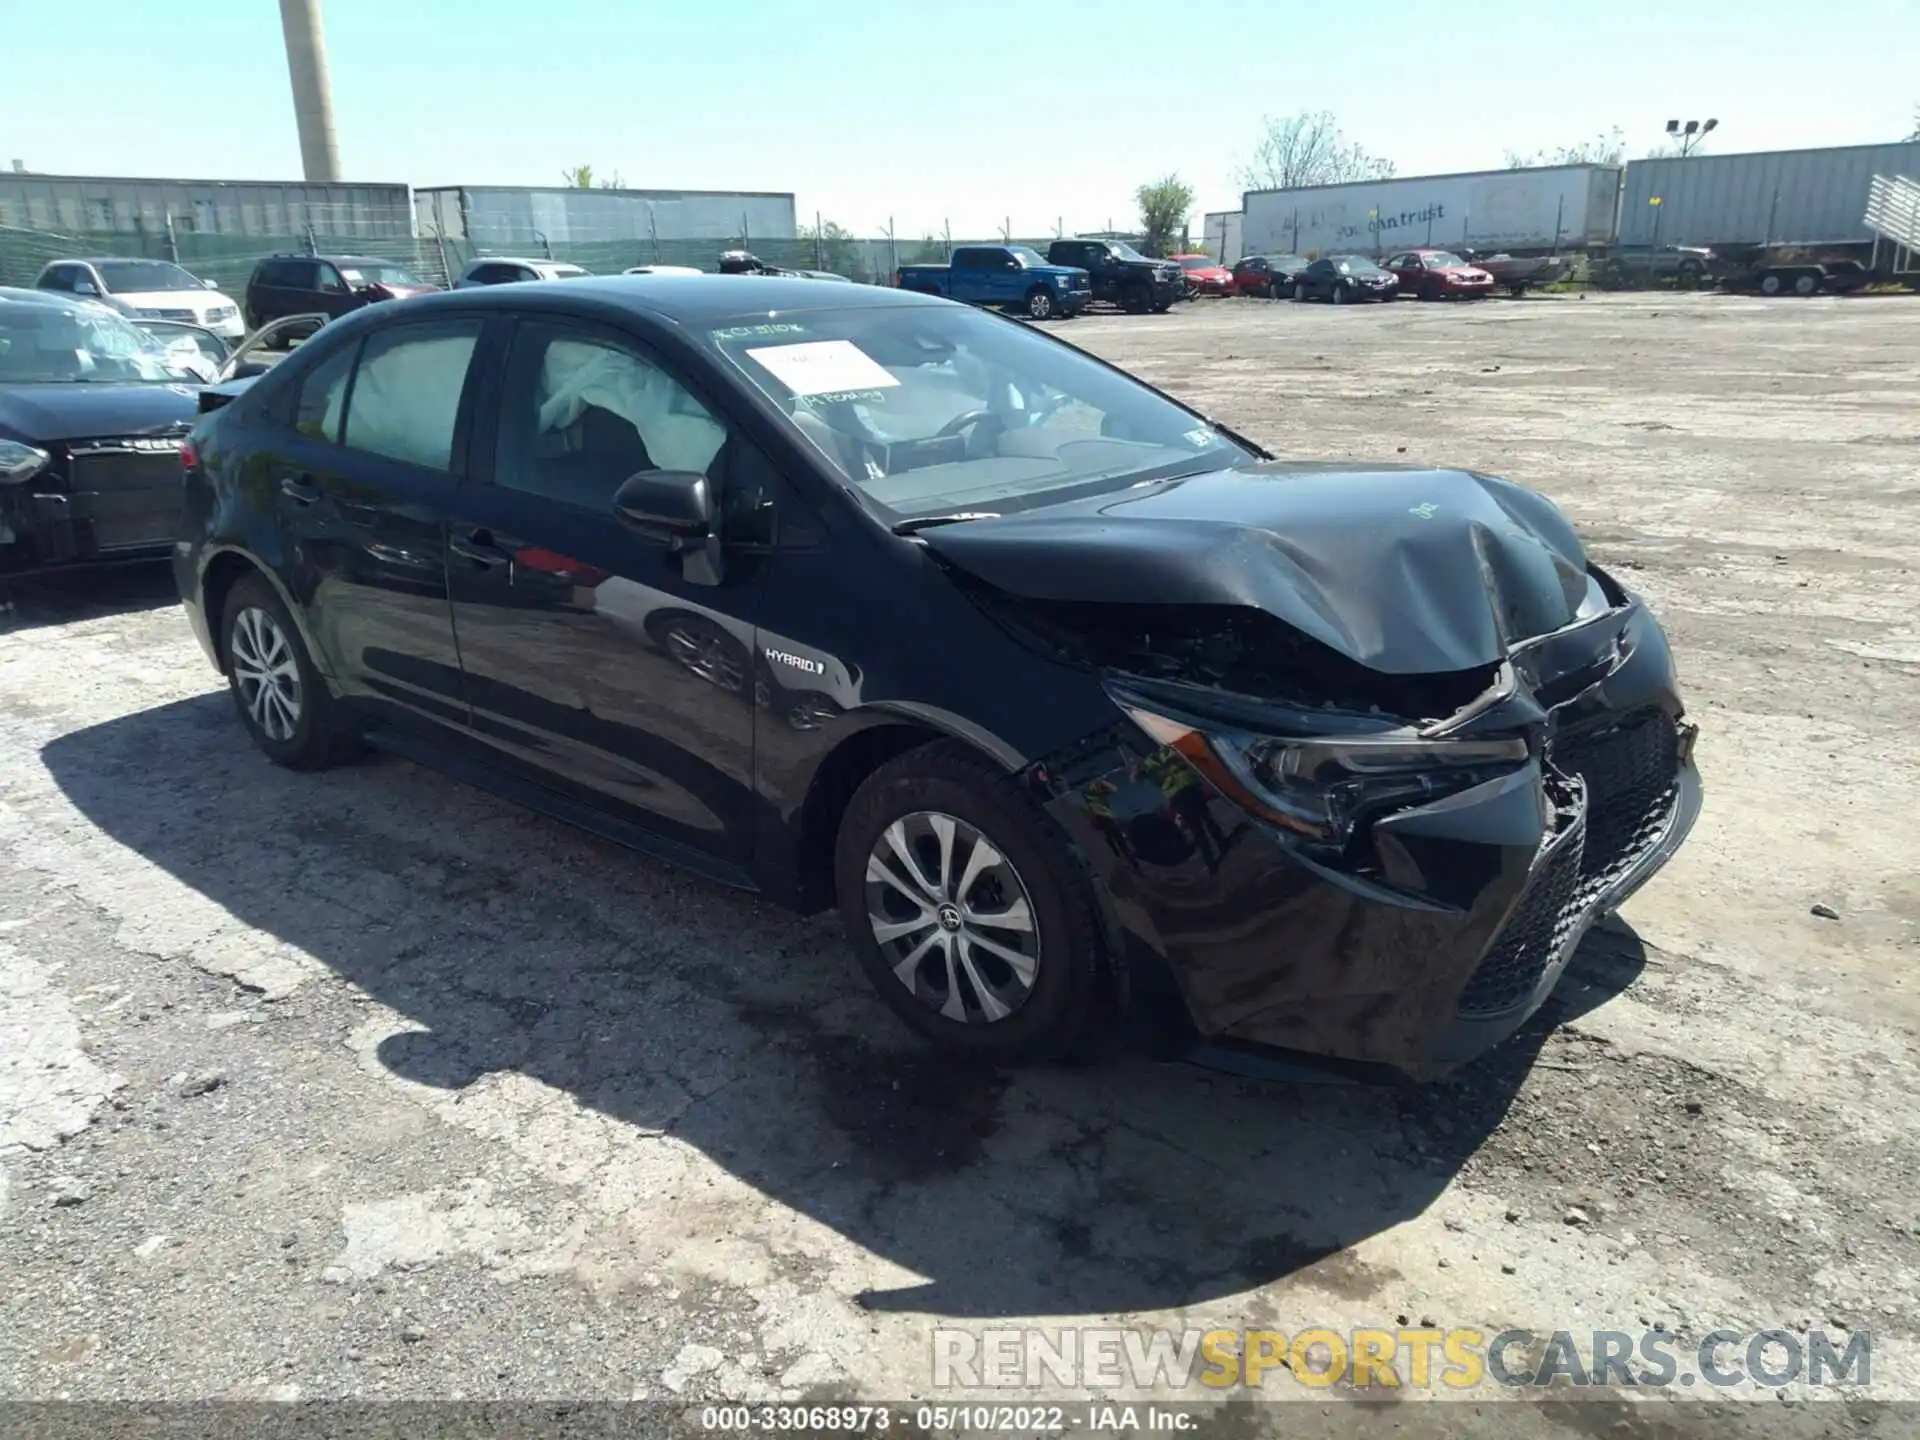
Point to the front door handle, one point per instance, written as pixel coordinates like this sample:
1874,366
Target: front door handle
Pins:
299,490
478,547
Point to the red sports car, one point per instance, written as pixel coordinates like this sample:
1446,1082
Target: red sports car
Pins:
1205,275
1429,274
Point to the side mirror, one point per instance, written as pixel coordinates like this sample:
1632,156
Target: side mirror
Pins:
674,506
211,284
249,369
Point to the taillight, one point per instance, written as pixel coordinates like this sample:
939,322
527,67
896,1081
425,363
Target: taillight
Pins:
189,457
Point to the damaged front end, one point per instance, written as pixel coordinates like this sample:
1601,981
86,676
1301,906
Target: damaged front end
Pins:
1327,857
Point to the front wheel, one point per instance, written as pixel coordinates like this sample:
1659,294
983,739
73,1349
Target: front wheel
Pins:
1806,284
282,699
1039,303
973,921
1340,295
1300,291
1771,285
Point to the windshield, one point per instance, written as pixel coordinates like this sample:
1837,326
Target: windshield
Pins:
131,277
375,273
1287,262
1027,255
1354,265
1442,260
47,343
1127,252
931,410
1195,262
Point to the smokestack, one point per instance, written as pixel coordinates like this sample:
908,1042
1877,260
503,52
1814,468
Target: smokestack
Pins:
312,92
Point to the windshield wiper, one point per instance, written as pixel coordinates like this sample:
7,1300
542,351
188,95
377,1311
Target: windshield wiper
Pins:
925,522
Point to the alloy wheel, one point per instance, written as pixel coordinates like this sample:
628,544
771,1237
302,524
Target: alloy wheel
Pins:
708,654
952,918
266,672
1040,305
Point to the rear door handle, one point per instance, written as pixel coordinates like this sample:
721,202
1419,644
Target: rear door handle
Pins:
299,490
478,547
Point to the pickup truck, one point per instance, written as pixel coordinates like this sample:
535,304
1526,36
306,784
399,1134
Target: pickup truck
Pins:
1121,275
1015,277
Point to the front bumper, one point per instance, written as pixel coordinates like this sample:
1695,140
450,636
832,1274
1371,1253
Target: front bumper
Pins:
1448,941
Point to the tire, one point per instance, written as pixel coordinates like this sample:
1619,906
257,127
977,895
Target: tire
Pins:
1771,284
1300,291
1039,303
1518,292
964,998
283,701
1137,299
1340,295
1160,307
1806,285
1690,274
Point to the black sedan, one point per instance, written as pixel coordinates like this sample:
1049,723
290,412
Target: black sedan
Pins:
1061,693
1344,279
1271,276
92,411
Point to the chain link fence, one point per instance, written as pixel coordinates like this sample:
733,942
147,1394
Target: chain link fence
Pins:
228,259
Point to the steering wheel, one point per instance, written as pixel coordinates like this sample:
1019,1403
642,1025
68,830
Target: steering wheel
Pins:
965,421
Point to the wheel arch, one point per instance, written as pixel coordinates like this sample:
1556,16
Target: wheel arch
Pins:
844,768
226,569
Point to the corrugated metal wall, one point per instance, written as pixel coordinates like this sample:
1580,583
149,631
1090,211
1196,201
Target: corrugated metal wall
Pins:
81,205
1792,197
504,219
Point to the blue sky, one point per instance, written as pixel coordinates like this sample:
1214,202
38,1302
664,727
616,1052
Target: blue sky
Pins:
968,112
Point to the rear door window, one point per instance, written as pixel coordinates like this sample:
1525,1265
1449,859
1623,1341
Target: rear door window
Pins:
322,397
405,403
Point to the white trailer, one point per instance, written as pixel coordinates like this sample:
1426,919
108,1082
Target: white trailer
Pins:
1557,207
1221,229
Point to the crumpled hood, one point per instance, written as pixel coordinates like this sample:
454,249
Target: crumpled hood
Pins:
1408,571
83,410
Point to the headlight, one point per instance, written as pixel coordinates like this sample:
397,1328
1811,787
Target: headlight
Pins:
20,462
1320,787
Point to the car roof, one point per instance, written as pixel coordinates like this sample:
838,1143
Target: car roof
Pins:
339,259
693,300
106,260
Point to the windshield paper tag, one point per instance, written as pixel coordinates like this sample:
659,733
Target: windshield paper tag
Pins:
822,367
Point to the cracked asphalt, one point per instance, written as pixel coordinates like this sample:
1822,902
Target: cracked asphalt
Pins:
364,1084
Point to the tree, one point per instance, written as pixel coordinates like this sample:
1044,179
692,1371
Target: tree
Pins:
1607,149
1308,149
1914,138
830,247
580,177
1164,208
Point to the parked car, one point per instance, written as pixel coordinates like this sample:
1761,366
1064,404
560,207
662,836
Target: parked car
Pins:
1204,274
1344,278
330,285
1268,275
510,270
1427,273
1120,275
92,412
153,289
1013,277
858,598
1686,265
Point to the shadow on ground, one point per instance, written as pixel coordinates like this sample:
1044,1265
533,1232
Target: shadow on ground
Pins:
62,597
518,945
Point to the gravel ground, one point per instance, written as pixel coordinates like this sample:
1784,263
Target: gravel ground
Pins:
365,1084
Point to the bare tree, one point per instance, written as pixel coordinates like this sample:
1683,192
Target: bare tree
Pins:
1308,149
1607,149
580,177
1164,208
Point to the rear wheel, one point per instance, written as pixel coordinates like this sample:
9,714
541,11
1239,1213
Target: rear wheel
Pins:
971,919
282,698
1806,284
1771,284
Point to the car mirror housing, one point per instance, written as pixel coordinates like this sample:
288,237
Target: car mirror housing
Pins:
671,505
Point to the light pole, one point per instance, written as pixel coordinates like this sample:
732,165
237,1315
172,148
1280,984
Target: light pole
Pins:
1690,134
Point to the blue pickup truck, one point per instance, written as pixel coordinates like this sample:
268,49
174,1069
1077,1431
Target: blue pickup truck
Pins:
1015,277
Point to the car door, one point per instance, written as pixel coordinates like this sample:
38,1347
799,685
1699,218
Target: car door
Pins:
288,288
598,662
377,435
335,296
1405,268
1007,281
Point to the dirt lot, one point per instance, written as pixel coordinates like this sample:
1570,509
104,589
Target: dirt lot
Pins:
367,1084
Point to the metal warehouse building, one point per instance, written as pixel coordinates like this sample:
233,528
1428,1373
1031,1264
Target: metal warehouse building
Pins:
500,216
1780,197
104,204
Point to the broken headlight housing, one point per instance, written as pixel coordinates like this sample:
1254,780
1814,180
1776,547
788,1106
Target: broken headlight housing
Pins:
20,462
1332,773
